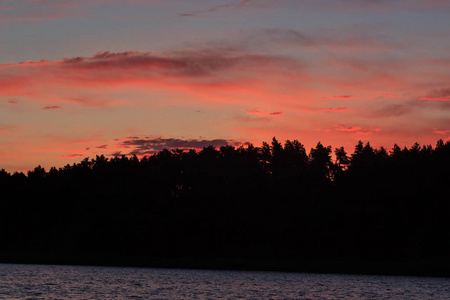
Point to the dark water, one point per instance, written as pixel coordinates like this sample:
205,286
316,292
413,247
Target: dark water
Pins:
77,282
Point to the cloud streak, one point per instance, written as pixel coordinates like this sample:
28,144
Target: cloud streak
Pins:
71,156
343,97
263,112
334,109
208,69
26,11
282,37
215,8
51,107
439,95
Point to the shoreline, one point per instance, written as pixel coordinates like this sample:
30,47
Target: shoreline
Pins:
421,268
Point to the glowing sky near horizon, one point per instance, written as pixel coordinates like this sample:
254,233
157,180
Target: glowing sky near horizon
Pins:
81,78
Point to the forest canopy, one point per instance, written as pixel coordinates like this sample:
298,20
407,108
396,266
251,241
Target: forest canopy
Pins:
276,200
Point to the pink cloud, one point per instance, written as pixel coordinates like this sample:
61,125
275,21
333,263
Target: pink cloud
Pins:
445,98
210,72
438,95
343,97
7,8
36,17
342,108
341,127
26,63
443,132
359,131
391,95
8,129
39,10
264,112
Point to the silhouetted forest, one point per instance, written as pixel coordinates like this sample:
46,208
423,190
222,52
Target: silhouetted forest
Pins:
270,202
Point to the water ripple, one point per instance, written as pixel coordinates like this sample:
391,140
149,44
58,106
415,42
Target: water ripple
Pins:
82,282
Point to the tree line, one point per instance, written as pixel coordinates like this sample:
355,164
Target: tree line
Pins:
272,201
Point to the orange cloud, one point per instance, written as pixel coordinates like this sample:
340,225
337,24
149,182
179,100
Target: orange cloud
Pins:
26,63
258,111
71,156
8,129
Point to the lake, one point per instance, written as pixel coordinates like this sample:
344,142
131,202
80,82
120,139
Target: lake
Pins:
86,282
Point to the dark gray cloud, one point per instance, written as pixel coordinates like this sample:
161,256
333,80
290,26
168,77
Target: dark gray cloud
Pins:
51,107
154,145
187,63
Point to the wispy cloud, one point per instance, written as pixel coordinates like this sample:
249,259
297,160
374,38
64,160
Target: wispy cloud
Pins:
438,95
334,109
264,112
442,132
357,130
342,97
392,110
51,107
210,69
71,156
8,8
341,127
34,10
279,37
8,129
215,8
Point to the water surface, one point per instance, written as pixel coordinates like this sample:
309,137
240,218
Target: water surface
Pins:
84,282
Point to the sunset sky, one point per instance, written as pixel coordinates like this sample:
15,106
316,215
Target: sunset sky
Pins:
87,77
